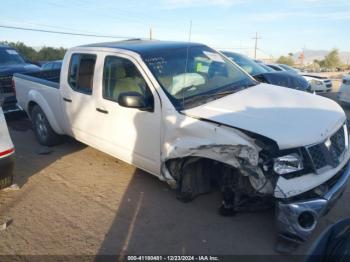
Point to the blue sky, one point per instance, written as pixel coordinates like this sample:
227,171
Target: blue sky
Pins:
284,25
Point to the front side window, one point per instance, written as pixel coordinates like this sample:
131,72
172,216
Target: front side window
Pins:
120,75
194,75
81,72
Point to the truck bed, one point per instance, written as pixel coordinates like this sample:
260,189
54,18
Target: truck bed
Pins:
48,77
43,89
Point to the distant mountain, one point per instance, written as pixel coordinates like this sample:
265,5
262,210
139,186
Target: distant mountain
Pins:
310,55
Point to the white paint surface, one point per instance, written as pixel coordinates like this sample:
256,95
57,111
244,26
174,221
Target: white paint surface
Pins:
291,118
5,139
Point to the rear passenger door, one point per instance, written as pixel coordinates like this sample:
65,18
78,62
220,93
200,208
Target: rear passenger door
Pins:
78,99
131,134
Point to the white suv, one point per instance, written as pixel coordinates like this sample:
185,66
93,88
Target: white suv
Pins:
6,153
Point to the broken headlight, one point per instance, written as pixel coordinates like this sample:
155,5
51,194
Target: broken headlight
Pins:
288,163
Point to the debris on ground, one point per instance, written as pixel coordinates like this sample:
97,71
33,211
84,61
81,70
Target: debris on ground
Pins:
13,187
5,223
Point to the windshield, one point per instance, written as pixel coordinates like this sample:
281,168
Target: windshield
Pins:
286,67
246,63
194,75
10,57
268,69
276,68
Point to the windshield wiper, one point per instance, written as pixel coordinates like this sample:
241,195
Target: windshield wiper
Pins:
230,91
212,96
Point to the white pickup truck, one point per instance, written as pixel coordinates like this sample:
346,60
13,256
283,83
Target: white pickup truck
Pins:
190,116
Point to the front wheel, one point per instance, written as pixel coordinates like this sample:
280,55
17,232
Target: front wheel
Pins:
42,128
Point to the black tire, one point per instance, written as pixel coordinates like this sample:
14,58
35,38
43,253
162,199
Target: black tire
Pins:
42,128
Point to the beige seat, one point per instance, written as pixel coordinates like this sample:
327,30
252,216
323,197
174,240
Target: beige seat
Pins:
86,72
122,83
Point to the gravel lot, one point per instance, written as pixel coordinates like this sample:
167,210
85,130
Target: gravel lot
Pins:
76,200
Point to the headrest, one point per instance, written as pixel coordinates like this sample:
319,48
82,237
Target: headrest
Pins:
86,66
118,71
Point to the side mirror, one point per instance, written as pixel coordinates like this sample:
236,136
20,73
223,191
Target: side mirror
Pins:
134,100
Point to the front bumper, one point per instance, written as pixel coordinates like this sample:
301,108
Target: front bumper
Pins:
6,174
296,220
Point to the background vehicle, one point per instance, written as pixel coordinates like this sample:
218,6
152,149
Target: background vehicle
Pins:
344,91
277,68
283,67
260,73
268,69
317,83
188,115
289,68
52,65
333,244
11,62
6,152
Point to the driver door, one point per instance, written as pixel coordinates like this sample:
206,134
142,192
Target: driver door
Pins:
130,134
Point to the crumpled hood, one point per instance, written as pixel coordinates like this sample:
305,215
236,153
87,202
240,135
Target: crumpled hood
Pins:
291,118
9,70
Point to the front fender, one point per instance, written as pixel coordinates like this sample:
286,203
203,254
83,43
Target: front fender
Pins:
194,137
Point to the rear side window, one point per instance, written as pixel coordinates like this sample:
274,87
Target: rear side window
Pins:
81,72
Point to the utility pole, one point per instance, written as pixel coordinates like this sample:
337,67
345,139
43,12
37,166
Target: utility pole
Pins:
190,32
150,33
302,57
256,43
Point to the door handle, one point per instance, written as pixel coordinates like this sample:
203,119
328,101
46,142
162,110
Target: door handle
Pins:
67,100
101,110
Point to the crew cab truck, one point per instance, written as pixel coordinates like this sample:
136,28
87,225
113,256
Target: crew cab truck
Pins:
192,117
6,152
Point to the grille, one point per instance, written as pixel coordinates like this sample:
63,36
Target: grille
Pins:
317,156
338,144
6,84
329,152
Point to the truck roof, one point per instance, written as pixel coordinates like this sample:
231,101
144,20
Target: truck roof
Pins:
5,46
143,46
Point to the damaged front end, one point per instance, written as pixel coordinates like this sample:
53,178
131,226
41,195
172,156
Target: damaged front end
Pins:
202,155
252,174
194,164
297,217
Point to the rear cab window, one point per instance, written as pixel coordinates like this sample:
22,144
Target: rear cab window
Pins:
81,72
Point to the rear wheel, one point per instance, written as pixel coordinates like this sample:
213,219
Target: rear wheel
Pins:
42,128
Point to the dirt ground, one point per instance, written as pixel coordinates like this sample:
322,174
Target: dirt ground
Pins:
75,200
